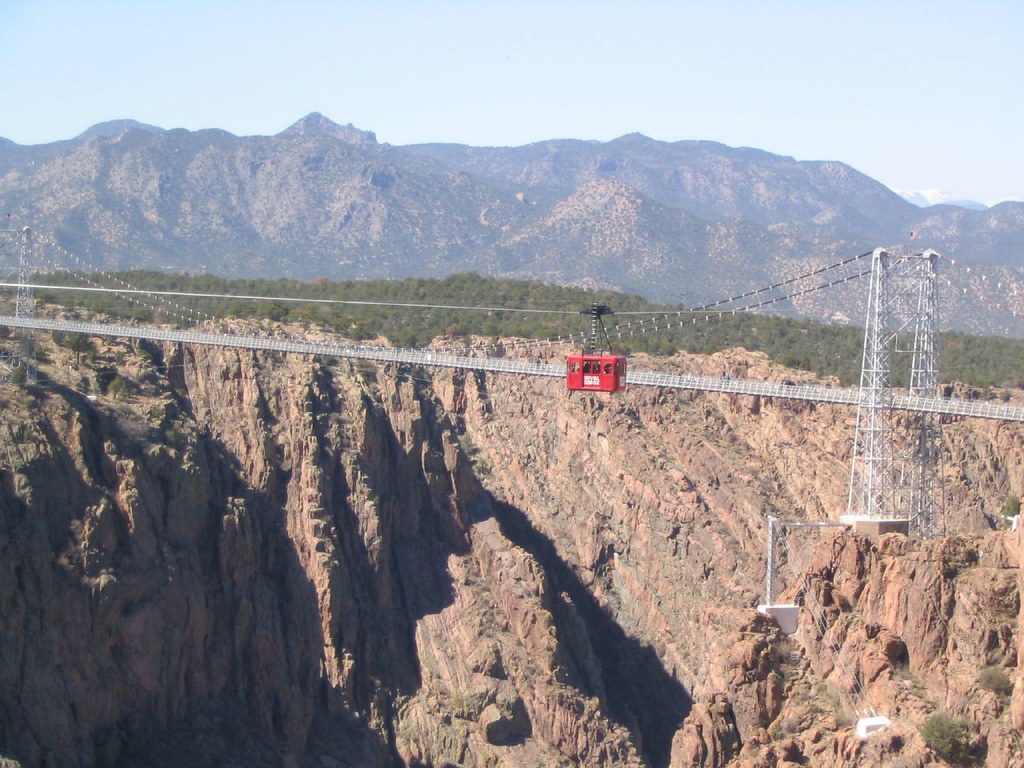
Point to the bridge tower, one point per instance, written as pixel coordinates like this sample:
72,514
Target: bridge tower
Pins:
15,251
895,461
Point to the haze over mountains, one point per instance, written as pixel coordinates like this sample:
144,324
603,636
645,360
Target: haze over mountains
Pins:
688,221
927,197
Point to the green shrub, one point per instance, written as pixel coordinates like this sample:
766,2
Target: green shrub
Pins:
117,388
946,736
78,343
994,679
1011,506
174,437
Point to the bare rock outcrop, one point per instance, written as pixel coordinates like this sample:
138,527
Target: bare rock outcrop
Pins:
275,561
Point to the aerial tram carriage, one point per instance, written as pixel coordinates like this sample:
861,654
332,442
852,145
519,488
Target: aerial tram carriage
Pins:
595,369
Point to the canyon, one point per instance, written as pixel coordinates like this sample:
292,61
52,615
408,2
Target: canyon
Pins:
252,559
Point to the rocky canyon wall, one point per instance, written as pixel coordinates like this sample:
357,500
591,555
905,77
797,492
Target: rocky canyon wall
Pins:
278,561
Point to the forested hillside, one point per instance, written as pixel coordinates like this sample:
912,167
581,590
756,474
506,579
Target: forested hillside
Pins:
468,306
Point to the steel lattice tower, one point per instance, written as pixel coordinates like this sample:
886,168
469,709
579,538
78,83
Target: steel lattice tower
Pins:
15,248
895,464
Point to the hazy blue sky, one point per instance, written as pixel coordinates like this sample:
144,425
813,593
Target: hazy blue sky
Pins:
919,95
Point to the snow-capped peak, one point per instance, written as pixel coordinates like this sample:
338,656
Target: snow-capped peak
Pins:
927,197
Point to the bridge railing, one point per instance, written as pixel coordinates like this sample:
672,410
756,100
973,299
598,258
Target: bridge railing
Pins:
781,389
427,358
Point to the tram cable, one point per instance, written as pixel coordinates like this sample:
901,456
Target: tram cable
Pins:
709,315
666,321
662,322
287,299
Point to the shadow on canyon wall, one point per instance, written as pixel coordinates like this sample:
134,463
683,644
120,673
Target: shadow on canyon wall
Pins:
640,694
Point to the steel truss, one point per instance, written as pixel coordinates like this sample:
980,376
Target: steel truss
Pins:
894,467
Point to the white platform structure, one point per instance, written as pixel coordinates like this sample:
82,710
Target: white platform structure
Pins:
869,725
874,526
786,616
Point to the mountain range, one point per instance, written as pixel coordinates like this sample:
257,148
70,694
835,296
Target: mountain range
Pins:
927,197
687,221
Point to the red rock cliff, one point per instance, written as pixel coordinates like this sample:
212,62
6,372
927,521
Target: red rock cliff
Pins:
280,562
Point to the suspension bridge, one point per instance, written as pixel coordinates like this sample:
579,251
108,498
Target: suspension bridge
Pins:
434,359
893,470
903,303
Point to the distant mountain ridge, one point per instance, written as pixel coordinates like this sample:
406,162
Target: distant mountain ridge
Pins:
928,197
687,221
112,128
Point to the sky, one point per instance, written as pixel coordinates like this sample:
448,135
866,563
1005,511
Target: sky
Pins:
918,95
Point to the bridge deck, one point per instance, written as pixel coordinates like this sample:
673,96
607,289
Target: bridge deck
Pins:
818,394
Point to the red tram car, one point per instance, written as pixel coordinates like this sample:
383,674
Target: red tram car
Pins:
595,373
595,369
